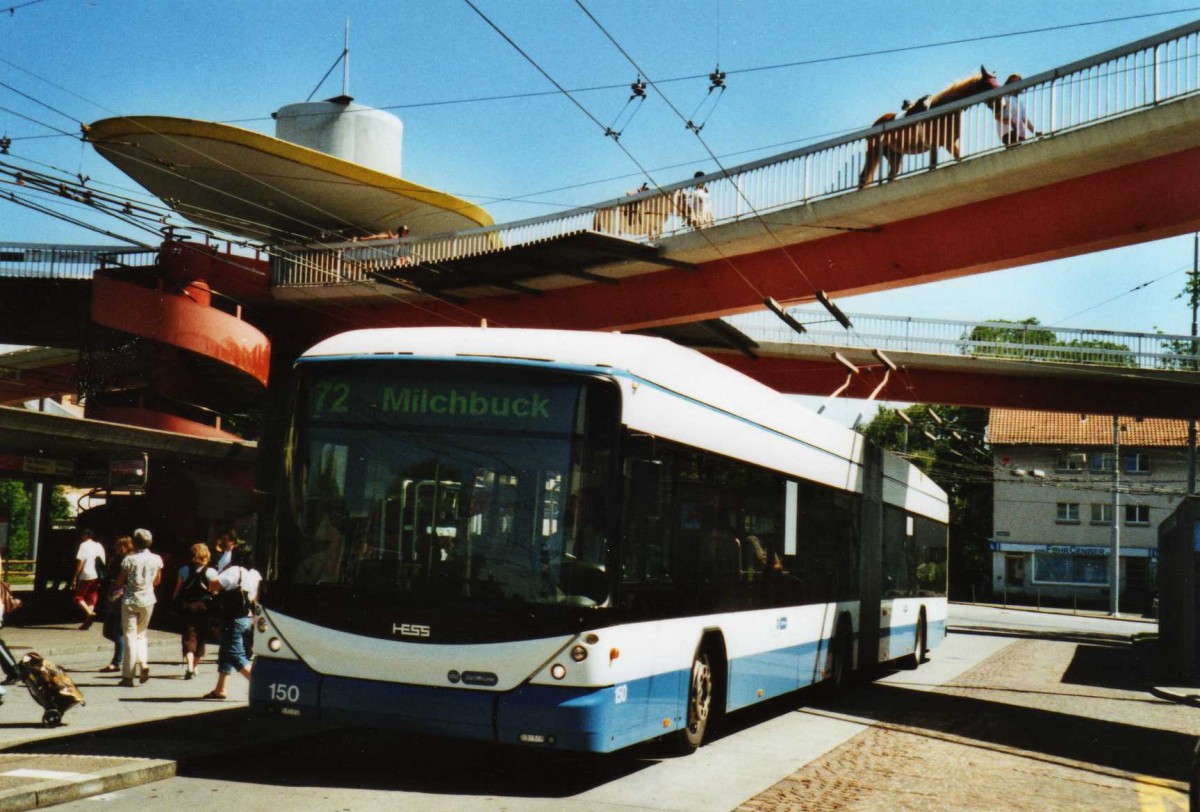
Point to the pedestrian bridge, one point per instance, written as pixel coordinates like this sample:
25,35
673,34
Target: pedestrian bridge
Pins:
1115,156
987,364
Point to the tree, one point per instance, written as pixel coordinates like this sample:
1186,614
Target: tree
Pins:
16,501
1028,340
997,342
956,457
1180,352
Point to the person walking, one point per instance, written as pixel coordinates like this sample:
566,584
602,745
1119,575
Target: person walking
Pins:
112,629
696,207
225,543
1012,121
85,583
139,574
191,600
235,592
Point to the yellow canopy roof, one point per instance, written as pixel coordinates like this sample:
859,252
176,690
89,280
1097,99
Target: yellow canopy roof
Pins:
256,186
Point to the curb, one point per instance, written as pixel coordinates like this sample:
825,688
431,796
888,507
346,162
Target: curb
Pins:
83,648
138,770
1055,611
50,793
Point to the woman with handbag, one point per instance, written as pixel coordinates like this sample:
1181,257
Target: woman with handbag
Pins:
235,591
113,593
191,601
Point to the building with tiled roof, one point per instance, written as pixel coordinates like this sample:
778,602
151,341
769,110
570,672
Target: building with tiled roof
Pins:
1052,522
1020,427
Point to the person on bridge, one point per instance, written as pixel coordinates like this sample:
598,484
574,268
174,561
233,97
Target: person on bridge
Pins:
1012,122
85,583
694,205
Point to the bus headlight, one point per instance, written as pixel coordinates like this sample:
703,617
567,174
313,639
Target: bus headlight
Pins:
558,670
274,644
579,654
262,624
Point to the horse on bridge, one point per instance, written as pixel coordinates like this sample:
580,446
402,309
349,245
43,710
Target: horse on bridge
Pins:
943,131
645,217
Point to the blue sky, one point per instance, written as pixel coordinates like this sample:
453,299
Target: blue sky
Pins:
236,62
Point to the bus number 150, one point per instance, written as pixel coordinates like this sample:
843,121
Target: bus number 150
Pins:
281,692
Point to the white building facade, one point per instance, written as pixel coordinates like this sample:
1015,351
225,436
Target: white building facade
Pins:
1052,525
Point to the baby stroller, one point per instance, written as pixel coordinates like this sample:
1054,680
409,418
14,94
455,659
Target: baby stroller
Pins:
49,686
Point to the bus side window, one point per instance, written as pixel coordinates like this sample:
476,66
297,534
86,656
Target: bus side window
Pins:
647,551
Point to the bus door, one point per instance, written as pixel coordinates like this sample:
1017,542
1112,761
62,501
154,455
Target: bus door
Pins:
432,526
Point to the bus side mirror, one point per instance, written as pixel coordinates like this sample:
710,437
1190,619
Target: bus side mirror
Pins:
645,487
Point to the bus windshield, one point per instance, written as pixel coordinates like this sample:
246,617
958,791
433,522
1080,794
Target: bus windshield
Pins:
432,485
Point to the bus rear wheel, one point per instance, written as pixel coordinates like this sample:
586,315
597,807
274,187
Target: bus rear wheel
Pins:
841,659
699,705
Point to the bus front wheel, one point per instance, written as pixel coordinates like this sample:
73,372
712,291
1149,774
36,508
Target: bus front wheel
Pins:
920,647
699,705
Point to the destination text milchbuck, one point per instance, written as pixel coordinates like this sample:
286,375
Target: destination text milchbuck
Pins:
418,400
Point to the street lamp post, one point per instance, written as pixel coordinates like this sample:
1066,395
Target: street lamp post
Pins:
1195,294
1115,551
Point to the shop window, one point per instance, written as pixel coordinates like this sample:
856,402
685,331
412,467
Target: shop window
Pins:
1056,568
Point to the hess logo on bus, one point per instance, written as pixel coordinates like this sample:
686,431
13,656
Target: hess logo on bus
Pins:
410,629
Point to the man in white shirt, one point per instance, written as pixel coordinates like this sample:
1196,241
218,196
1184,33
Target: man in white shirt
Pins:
85,584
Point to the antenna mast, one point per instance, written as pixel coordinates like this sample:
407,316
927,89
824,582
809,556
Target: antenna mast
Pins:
346,61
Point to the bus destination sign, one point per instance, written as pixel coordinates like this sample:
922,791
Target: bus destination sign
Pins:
464,403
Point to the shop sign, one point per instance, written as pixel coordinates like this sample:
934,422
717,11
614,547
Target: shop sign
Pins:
48,467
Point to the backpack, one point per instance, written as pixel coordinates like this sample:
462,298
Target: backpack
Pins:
195,589
234,603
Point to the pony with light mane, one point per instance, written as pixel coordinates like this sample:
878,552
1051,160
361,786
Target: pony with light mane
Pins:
644,218
927,136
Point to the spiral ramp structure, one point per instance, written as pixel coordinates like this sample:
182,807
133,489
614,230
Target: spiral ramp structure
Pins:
163,358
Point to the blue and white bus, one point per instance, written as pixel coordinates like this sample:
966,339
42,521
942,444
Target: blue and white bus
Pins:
576,540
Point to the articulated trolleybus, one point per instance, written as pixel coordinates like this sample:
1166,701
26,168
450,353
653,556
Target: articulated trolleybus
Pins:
576,540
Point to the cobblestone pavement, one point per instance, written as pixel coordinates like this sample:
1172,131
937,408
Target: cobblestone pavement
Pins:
1053,722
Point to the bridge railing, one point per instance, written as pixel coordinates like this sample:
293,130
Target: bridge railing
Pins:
987,339
1118,82
38,261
